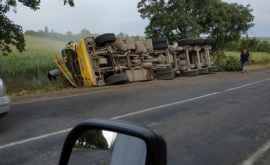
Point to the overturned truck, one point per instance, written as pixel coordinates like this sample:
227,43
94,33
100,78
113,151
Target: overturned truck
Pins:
107,60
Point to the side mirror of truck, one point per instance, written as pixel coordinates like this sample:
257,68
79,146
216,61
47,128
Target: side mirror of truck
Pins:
102,142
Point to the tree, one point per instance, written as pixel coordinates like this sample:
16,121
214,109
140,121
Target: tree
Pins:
179,19
46,29
122,35
84,33
69,33
11,34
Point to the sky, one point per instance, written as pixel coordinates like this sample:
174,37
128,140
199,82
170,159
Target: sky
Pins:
101,16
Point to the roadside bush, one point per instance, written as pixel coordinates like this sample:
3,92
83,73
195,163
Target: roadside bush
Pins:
256,58
219,58
28,70
263,46
226,63
253,44
232,64
233,46
262,58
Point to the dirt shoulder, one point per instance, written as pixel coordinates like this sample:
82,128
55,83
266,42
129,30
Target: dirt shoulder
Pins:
258,67
73,92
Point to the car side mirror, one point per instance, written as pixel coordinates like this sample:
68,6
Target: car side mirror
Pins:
102,142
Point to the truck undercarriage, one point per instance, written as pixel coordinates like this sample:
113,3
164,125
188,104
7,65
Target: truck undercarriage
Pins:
107,60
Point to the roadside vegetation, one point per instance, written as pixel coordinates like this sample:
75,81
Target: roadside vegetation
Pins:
28,70
257,58
230,59
50,34
252,44
265,39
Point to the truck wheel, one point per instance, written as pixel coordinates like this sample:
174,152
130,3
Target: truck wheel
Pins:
194,42
118,78
165,73
162,69
204,71
185,42
160,44
104,39
191,73
167,76
214,69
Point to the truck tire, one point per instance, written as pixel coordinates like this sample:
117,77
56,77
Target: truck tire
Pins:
185,42
165,73
191,73
118,78
160,44
195,42
204,71
163,69
214,69
104,39
167,76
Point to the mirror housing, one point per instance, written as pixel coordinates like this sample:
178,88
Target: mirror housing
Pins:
155,144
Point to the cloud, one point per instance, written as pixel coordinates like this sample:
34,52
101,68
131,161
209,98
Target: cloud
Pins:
98,16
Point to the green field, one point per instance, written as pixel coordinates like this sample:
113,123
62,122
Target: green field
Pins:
28,70
256,57
264,38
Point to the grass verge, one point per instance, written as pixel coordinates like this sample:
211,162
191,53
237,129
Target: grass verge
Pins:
257,58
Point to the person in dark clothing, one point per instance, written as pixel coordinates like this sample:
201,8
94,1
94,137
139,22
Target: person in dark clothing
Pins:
244,59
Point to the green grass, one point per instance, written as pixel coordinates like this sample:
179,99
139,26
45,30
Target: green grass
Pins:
28,70
256,57
264,38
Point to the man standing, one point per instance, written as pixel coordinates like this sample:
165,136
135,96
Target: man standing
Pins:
244,59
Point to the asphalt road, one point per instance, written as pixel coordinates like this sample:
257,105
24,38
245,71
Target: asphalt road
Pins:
206,120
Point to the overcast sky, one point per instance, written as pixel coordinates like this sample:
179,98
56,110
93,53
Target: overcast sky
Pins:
115,16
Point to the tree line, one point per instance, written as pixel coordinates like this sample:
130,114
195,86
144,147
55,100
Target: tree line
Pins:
252,44
68,36
177,19
11,34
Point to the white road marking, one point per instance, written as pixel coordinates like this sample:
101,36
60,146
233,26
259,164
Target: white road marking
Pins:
114,118
163,106
257,155
246,85
133,113
34,139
